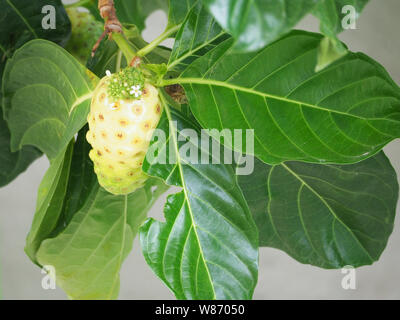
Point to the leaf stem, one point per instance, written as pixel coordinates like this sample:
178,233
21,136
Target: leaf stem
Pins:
119,58
80,3
150,47
124,45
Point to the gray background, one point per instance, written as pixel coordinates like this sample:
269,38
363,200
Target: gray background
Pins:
280,276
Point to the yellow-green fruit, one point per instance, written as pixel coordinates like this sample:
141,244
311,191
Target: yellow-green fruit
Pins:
85,32
120,131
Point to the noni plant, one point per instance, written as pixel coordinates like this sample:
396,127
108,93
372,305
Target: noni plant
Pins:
273,137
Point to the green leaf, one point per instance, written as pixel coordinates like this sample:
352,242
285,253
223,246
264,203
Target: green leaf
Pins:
329,12
81,181
343,114
136,11
198,34
177,11
207,248
46,96
325,215
13,163
93,232
256,23
21,21
49,204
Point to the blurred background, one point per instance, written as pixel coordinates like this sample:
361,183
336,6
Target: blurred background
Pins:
280,277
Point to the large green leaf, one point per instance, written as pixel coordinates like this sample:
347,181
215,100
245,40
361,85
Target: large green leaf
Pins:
91,230
49,204
256,23
136,11
343,114
46,96
19,23
325,215
207,248
198,34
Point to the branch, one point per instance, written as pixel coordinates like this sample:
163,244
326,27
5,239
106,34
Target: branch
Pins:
111,22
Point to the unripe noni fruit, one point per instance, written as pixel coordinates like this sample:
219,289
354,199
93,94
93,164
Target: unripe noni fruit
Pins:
85,32
124,112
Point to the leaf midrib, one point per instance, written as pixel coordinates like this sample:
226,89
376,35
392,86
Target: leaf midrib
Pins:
233,87
184,188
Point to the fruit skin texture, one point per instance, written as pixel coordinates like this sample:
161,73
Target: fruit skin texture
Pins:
120,131
85,32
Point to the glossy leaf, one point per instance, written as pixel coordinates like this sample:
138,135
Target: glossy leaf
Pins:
198,34
256,23
136,11
325,215
46,96
207,248
343,114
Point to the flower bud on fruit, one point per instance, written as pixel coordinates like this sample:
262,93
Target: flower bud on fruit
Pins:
124,112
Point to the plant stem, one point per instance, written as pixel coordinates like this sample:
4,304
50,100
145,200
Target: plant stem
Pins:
77,4
119,58
168,82
124,45
150,47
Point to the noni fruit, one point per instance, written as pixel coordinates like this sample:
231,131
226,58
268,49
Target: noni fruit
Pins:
124,111
85,32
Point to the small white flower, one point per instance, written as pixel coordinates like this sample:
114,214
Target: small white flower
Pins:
136,91
108,73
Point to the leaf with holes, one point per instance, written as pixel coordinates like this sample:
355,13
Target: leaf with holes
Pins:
343,114
207,248
329,216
